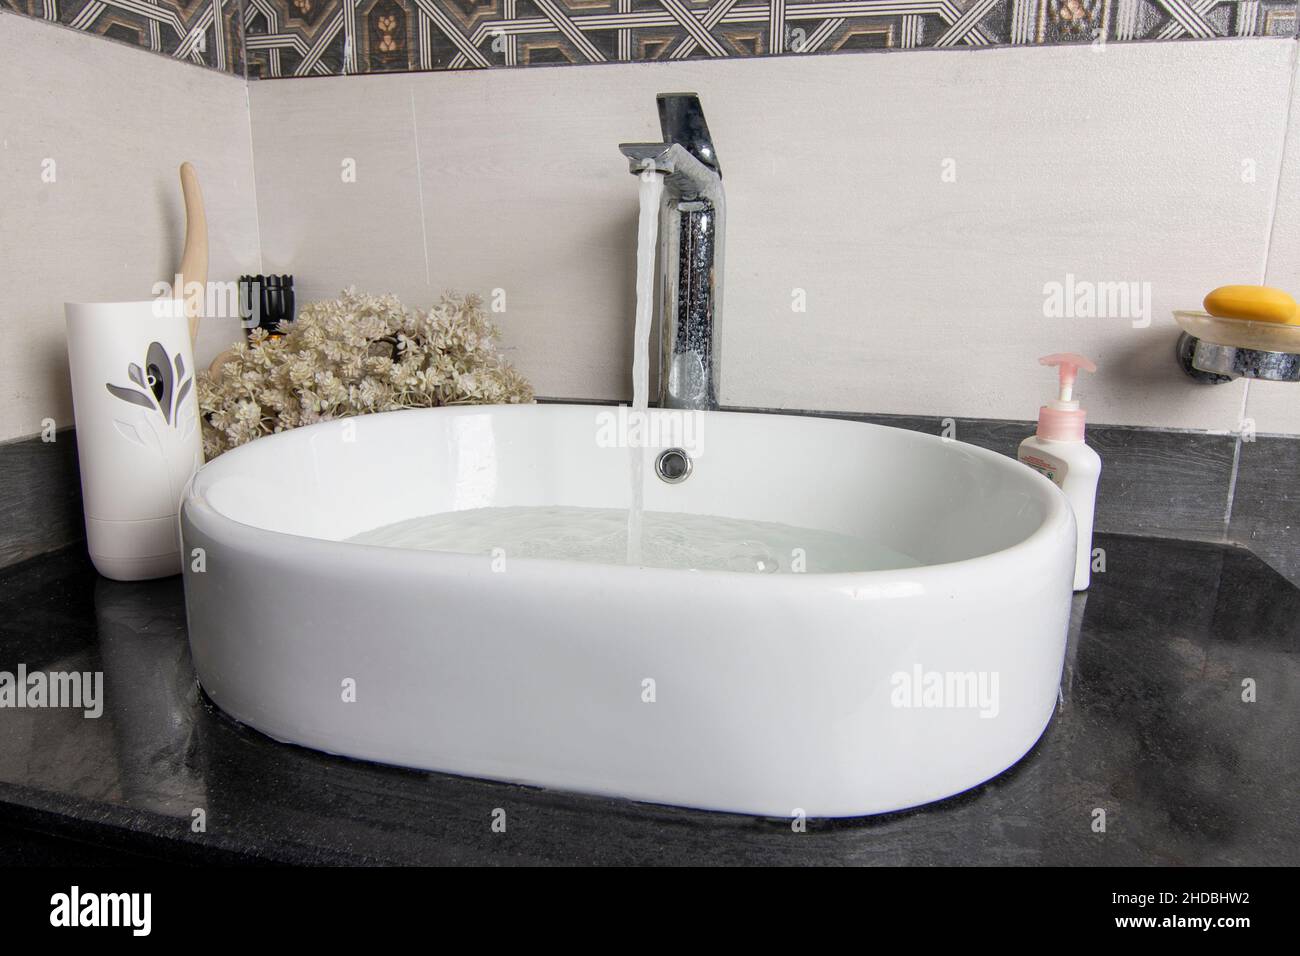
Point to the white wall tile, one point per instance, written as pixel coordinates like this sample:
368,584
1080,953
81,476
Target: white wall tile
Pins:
923,296
525,191
1122,165
117,122
326,228
1275,406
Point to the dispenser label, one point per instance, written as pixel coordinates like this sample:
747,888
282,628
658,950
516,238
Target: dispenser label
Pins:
1053,468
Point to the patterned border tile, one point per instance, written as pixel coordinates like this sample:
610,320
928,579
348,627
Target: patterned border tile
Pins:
288,38
204,32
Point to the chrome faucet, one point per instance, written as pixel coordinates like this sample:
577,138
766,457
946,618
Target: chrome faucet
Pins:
689,270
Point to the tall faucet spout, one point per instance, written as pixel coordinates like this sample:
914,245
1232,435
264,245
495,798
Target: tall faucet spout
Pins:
689,258
681,120
685,177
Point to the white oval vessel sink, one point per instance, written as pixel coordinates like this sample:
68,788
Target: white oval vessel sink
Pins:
831,694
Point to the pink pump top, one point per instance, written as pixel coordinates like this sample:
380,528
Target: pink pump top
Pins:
1063,419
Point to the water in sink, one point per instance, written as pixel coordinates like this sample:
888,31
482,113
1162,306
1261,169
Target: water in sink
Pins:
600,535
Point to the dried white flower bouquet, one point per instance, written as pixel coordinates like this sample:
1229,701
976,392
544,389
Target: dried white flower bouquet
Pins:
354,355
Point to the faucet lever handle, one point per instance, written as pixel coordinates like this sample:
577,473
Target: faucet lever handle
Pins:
681,119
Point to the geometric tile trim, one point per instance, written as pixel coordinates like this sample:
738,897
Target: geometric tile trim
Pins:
289,38
205,32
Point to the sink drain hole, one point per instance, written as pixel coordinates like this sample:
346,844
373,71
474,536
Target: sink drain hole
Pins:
673,465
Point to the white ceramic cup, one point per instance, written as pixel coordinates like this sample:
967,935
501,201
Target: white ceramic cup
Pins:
138,437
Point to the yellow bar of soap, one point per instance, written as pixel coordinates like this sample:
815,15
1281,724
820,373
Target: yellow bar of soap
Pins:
1256,303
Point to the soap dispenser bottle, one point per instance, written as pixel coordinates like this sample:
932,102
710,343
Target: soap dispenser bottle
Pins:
1058,451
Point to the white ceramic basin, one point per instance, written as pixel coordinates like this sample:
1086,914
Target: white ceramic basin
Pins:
834,694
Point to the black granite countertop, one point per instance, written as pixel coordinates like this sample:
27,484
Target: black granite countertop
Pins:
1152,728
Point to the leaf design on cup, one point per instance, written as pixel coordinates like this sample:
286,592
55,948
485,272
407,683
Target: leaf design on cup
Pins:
132,396
159,367
156,383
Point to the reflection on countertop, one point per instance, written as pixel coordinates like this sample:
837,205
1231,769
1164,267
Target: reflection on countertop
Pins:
1152,729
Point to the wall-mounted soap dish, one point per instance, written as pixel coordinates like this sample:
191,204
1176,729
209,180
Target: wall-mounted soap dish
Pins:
1213,350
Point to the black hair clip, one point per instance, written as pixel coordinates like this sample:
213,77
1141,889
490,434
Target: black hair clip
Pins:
266,302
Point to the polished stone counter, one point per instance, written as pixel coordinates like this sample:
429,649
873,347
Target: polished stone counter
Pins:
1152,728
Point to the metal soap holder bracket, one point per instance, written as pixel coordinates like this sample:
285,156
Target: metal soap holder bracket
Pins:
1214,350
